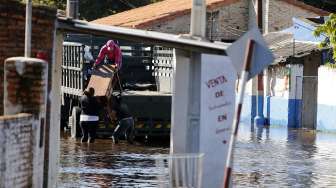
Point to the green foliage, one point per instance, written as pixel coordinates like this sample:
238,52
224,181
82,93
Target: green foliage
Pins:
60,4
328,29
91,10
328,5
332,66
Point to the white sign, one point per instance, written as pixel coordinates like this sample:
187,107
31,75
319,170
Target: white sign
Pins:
217,110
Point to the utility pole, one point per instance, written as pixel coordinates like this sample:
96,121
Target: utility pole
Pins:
72,9
267,71
198,18
186,106
27,50
197,29
259,120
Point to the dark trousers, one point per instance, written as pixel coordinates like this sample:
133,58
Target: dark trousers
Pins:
88,130
125,129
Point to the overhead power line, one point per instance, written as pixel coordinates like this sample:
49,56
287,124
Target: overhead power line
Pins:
127,3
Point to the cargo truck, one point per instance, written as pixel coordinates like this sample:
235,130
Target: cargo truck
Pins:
145,85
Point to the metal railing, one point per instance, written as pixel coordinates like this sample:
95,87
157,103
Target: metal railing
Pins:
180,170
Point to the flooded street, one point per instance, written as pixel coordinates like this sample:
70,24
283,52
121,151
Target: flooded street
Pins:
277,158
103,164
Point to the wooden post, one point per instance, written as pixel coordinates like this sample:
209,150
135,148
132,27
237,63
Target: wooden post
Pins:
259,119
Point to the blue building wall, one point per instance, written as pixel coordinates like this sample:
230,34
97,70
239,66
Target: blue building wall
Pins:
286,111
303,31
279,113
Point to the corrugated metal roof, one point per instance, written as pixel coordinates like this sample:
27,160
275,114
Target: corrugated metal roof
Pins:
284,48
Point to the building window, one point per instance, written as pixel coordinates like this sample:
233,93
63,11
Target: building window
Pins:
212,25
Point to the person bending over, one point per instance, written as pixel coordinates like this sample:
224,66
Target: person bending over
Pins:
125,127
112,52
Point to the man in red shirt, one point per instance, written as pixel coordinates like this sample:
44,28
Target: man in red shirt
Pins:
113,53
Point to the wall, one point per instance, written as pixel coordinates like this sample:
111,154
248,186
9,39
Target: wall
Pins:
309,90
234,19
25,85
232,22
179,25
16,156
281,14
12,24
326,108
279,92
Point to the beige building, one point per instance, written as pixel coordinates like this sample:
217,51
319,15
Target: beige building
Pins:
227,19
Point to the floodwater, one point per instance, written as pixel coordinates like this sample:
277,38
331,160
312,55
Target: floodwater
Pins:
272,157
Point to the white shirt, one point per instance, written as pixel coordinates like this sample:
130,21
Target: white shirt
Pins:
84,117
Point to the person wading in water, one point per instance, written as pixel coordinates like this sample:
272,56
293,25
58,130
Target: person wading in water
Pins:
89,115
125,127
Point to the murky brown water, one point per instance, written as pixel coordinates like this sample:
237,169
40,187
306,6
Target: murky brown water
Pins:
275,158
103,164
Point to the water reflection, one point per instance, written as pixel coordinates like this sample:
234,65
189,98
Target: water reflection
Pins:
103,164
277,157
267,157
300,153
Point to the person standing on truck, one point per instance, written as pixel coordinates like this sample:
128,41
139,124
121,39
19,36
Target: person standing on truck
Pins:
112,52
89,116
125,127
88,64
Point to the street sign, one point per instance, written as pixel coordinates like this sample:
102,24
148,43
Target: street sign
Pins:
261,56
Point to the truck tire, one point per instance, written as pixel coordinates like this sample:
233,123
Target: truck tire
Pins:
75,128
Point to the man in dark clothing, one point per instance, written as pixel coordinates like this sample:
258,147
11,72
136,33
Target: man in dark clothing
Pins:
89,115
125,127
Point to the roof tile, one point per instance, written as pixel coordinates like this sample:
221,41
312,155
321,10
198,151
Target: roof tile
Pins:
164,10
170,9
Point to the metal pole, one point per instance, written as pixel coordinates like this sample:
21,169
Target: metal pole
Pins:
197,29
27,51
259,119
72,9
198,18
186,98
235,124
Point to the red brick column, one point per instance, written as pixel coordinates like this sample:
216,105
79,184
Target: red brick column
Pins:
25,86
12,24
26,91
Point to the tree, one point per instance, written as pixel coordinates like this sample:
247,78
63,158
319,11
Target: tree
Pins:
328,5
91,10
60,4
328,29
